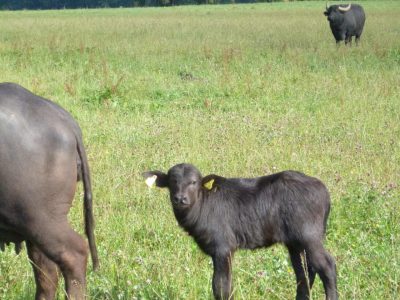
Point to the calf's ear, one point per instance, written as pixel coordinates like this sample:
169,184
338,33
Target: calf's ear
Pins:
160,178
211,182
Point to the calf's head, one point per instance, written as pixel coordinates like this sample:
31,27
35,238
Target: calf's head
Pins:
335,13
185,184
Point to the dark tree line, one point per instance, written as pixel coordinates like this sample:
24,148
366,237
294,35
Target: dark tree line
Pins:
60,4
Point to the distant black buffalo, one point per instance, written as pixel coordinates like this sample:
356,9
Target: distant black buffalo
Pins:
224,214
346,21
41,158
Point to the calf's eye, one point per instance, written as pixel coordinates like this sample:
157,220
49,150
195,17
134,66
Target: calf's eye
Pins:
193,182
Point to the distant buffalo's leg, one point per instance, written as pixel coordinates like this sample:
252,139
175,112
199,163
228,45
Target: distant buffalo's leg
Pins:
69,251
324,264
46,273
348,40
357,40
303,288
221,282
340,37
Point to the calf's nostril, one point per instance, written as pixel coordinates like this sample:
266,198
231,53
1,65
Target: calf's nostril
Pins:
180,199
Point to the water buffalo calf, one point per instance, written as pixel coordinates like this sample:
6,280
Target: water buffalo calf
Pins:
346,21
41,158
224,214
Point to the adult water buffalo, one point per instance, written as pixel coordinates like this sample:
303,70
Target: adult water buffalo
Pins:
224,214
346,21
41,158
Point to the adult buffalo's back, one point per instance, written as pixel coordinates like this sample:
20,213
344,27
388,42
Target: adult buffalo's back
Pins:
41,157
346,21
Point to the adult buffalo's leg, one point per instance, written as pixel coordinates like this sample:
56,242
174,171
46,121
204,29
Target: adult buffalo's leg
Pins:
324,264
221,283
69,251
45,271
300,266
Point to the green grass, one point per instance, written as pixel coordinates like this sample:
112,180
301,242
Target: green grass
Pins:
238,90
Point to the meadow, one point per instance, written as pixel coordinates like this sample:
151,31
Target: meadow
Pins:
237,90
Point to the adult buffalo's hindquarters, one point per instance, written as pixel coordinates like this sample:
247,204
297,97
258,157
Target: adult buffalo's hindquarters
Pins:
224,214
41,158
346,21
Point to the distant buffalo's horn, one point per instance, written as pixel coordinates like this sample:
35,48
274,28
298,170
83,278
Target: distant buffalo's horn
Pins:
347,8
326,5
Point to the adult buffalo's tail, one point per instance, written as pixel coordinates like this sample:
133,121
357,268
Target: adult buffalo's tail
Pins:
87,203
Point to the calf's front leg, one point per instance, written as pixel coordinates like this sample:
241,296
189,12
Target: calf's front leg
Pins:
222,277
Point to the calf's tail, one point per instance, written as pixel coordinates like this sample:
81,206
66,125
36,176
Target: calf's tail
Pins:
87,203
327,211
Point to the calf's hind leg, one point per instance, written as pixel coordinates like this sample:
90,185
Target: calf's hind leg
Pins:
304,279
69,251
324,264
45,271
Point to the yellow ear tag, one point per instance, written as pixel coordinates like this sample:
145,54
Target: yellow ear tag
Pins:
150,180
209,184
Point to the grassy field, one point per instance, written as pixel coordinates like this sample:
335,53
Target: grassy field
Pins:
238,90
